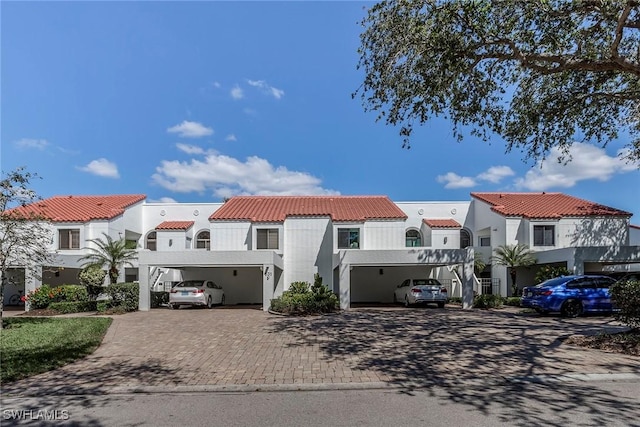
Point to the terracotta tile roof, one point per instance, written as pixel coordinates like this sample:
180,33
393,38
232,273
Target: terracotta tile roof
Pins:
442,223
81,208
175,225
277,208
545,205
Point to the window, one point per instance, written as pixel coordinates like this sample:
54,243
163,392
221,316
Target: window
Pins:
485,241
348,238
267,238
203,240
69,238
544,235
465,239
151,241
413,238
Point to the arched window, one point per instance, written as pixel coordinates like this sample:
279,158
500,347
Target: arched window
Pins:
465,239
203,240
151,241
413,238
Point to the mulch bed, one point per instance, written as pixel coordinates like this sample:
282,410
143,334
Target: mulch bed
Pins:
622,342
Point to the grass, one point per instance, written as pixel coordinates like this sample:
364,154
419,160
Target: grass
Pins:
32,345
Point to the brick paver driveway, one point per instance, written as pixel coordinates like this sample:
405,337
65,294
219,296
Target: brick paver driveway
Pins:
246,346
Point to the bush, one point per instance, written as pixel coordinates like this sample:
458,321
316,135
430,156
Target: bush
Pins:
301,299
549,272
159,298
71,293
625,295
93,279
40,298
488,301
455,300
73,306
512,301
124,296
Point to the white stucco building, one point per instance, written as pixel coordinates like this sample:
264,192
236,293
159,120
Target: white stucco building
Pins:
362,246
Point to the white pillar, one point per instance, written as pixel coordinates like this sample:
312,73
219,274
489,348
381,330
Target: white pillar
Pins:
32,280
144,296
467,280
268,285
345,286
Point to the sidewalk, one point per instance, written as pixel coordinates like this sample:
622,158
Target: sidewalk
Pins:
241,349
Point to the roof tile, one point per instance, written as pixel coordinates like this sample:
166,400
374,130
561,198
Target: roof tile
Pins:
277,208
175,225
442,223
545,205
81,208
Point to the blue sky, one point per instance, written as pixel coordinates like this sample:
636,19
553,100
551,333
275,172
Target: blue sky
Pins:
197,101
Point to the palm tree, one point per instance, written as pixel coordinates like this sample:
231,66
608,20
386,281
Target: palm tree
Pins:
110,254
513,256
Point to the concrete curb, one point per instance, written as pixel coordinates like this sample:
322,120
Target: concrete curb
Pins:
270,388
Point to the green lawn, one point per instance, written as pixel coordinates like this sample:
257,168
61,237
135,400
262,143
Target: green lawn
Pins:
31,345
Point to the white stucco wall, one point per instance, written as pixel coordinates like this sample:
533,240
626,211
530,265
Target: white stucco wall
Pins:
230,235
307,249
382,235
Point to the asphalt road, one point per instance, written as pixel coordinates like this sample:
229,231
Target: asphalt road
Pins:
562,404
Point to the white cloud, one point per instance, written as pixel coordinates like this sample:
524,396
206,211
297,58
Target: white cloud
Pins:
101,167
237,93
189,149
188,129
587,162
162,200
230,137
226,176
266,88
452,180
216,85
495,174
28,143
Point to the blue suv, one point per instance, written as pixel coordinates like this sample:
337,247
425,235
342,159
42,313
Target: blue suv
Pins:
570,295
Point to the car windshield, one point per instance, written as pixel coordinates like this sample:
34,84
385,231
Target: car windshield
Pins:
189,284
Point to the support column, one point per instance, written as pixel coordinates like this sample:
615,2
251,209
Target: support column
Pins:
467,279
32,280
144,297
268,285
345,286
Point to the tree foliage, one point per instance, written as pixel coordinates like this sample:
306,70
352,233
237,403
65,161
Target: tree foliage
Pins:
110,254
512,257
25,233
539,74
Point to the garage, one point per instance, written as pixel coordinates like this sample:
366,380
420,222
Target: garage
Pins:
246,277
371,276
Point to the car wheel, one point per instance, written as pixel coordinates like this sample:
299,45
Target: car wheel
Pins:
174,306
209,303
571,308
440,305
406,302
222,300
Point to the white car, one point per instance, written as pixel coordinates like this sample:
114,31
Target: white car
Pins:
421,291
196,293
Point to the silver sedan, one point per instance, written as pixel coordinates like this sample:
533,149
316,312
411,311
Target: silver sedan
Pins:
196,293
421,291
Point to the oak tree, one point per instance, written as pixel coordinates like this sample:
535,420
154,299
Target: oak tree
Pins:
540,74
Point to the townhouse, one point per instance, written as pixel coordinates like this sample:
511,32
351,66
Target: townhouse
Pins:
362,246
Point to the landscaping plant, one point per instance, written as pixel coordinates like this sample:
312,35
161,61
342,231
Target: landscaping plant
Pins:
302,298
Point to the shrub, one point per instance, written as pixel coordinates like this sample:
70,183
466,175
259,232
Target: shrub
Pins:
71,293
301,299
73,306
488,301
512,301
93,279
455,300
549,272
40,298
123,295
625,295
159,298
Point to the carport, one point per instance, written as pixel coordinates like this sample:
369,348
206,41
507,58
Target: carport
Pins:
246,276
373,274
